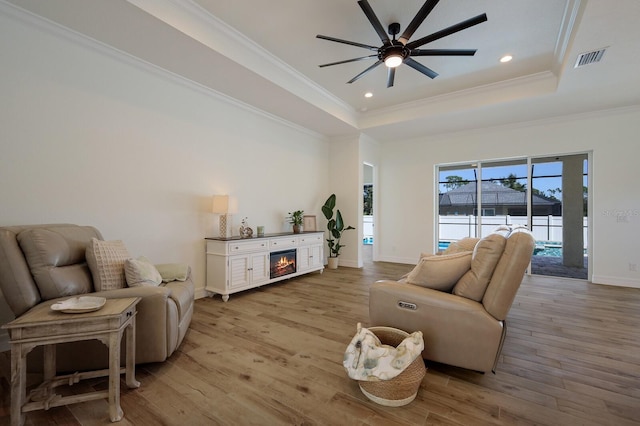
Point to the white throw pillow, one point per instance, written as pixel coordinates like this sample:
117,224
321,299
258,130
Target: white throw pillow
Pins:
173,271
106,262
141,272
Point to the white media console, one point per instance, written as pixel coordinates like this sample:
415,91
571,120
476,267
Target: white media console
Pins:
236,264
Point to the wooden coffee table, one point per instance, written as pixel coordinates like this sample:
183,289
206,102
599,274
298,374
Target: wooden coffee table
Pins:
41,326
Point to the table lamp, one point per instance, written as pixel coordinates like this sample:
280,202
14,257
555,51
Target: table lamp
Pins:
221,206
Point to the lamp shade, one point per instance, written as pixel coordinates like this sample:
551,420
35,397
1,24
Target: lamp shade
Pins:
220,204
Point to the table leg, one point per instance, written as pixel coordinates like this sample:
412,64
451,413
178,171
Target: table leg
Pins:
115,412
18,383
49,362
130,373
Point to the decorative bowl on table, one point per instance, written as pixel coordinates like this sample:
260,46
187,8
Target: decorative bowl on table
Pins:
79,304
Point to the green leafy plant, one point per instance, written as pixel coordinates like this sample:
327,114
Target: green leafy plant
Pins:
295,217
335,226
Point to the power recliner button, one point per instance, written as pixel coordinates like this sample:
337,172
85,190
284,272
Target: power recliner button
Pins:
407,305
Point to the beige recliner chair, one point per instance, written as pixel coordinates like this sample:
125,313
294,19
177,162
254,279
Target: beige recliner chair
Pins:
463,326
40,264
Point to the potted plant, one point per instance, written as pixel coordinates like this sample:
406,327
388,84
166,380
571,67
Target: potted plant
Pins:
295,218
336,228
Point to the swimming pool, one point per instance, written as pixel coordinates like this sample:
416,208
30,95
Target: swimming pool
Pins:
543,248
548,248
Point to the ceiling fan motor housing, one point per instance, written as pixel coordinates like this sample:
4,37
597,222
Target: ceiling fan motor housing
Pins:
395,48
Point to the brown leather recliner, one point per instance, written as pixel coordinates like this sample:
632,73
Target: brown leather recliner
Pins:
458,330
163,313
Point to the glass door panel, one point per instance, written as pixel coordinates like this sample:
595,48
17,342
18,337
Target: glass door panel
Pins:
504,194
457,203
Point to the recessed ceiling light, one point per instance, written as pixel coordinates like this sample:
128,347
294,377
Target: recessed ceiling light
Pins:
506,58
368,95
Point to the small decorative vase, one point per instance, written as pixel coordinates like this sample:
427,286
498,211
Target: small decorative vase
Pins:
297,229
245,230
333,263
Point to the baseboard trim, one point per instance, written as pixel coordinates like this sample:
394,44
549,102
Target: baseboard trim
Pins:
348,263
615,281
200,293
408,261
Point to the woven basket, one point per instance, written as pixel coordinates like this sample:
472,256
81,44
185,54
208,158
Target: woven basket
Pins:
403,388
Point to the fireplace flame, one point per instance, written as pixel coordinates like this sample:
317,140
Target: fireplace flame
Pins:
284,265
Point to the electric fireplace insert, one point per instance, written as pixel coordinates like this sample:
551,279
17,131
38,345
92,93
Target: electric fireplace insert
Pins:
282,263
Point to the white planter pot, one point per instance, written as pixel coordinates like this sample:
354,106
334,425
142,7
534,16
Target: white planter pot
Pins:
333,263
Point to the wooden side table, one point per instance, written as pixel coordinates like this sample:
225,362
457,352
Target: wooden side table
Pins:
42,326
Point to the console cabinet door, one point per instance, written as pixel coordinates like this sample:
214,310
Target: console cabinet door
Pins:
259,268
315,256
303,258
239,273
309,257
248,270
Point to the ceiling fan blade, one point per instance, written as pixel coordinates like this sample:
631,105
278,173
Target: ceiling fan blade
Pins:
448,31
419,67
443,52
364,5
364,72
348,60
424,11
352,43
390,77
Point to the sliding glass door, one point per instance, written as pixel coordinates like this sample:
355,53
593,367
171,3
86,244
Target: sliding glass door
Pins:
562,234
475,198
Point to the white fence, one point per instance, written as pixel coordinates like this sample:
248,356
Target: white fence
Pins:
545,228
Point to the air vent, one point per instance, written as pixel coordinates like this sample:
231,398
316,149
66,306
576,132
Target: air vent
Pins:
589,57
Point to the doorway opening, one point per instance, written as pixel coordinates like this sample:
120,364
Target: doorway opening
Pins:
367,213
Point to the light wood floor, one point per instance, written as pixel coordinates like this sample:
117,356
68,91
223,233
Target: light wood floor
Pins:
273,356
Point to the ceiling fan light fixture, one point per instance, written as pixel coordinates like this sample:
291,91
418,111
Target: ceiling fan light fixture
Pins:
394,60
393,56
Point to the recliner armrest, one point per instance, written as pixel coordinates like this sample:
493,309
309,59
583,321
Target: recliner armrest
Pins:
422,296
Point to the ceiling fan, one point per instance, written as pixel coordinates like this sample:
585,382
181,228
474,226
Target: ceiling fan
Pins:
394,52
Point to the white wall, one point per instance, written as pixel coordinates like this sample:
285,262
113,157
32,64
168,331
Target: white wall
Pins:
344,179
407,190
91,137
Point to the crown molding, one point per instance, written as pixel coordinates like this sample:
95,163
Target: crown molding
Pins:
572,14
192,20
476,97
29,18
541,122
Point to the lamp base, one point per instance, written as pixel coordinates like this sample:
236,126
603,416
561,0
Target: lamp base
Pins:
223,226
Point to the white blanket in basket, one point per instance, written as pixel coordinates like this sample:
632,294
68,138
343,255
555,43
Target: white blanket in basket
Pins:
366,358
